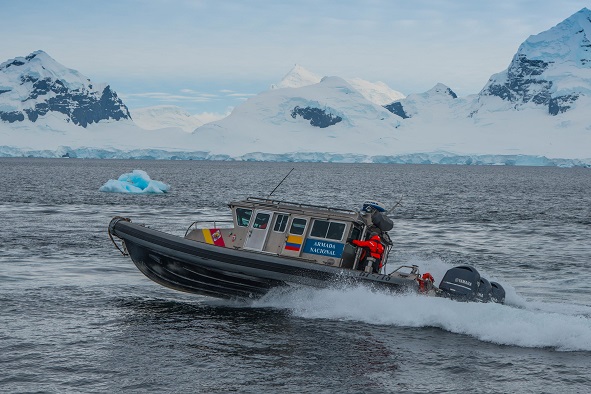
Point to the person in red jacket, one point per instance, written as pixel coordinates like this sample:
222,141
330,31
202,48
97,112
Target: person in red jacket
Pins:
376,250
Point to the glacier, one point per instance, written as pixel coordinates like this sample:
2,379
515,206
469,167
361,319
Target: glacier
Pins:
298,157
135,182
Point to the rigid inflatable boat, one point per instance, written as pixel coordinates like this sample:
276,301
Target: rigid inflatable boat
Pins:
272,243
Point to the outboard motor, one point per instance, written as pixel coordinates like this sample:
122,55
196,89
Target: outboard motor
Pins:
484,290
460,283
497,293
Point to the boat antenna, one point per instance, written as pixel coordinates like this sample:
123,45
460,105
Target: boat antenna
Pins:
270,194
395,205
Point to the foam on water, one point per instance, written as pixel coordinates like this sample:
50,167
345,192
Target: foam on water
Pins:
519,322
500,324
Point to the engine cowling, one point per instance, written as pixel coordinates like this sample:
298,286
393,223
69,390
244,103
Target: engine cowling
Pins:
484,290
464,283
460,283
497,293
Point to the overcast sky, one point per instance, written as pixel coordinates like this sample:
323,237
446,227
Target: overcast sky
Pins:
210,55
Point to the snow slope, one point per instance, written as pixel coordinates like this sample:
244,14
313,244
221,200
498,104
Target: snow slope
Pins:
297,77
164,116
377,92
330,116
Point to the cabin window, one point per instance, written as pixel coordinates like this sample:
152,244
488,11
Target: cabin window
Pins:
280,223
328,230
243,216
298,226
355,232
261,221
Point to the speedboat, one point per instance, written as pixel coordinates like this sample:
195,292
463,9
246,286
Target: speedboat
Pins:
271,243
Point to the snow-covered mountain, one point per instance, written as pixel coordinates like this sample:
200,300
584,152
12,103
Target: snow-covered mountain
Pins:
165,116
538,106
536,112
551,73
37,86
424,103
520,111
550,70
45,105
297,77
330,116
377,92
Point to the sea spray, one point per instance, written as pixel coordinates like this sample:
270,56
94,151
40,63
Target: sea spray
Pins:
490,322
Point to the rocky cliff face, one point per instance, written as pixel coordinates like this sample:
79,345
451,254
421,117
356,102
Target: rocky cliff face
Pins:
551,69
36,85
317,117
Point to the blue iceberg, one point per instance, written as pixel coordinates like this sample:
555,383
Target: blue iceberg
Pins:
137,181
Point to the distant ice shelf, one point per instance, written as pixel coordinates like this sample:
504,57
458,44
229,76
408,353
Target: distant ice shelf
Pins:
320,157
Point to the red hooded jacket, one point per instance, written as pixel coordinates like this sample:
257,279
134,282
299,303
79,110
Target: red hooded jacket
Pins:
376,249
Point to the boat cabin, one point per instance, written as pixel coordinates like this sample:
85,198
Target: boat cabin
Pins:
313,233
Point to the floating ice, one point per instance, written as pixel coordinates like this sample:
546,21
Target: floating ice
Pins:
137,181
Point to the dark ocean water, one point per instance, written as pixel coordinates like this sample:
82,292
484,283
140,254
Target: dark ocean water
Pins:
76,316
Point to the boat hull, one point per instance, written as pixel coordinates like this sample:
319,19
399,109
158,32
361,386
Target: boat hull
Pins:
197,267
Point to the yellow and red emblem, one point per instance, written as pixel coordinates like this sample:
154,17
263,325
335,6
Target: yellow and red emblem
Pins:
213,236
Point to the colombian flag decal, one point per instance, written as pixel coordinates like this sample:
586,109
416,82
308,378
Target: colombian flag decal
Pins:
213,236
294,242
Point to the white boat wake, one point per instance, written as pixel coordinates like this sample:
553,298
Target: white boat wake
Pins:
564,327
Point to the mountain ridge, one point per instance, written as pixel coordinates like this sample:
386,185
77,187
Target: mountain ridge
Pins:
551,69
36,85
376,92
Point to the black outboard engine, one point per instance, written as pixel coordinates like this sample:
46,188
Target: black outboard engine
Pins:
497,293
484,290
460,283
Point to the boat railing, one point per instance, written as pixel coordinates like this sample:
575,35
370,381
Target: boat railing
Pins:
276,203
198,224
401,271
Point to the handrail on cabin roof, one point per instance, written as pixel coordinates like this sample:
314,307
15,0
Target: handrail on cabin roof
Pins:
298,205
